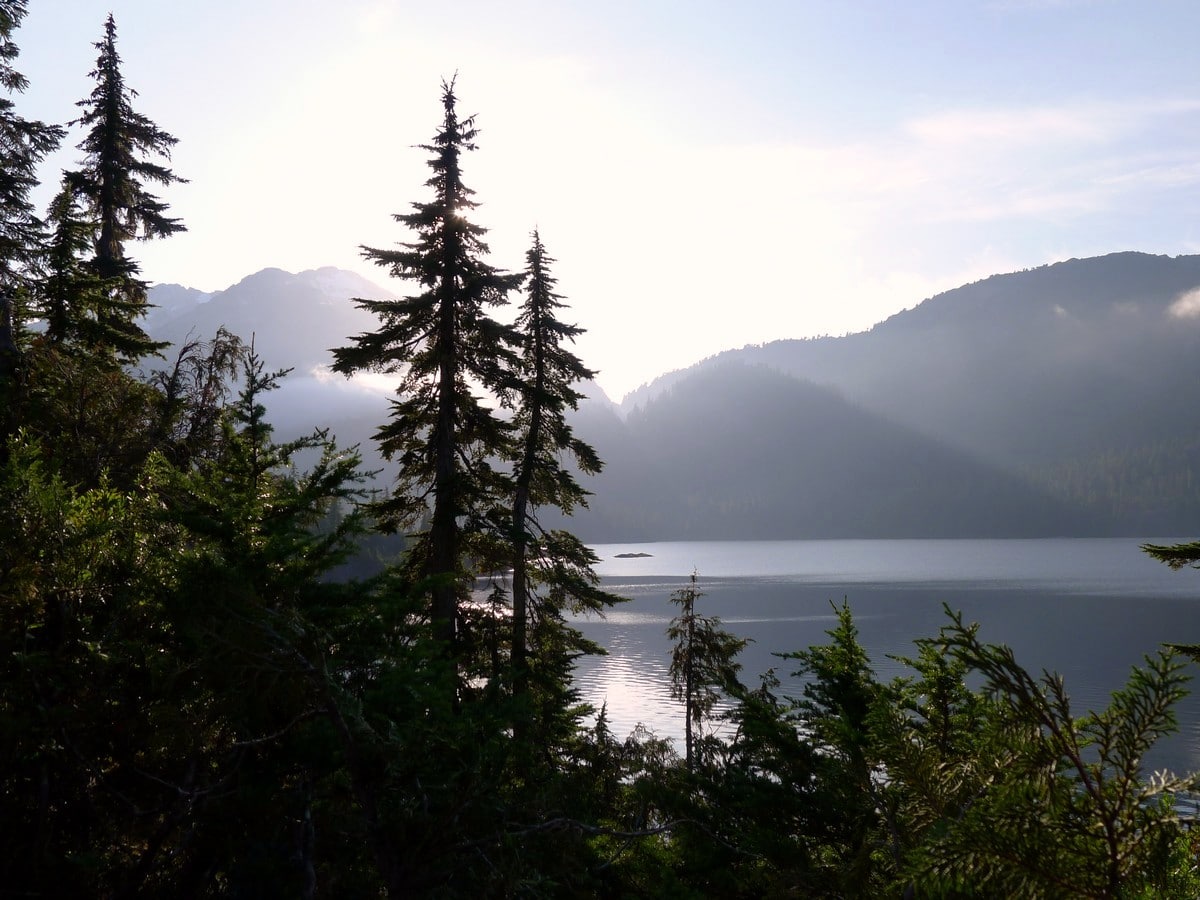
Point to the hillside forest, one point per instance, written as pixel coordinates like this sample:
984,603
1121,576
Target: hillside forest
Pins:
230,668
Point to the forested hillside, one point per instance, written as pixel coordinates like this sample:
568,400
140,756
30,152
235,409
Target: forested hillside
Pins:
742,451
1068,383
1031,367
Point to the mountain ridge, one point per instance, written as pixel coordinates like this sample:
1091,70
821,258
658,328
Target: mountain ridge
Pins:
1048,401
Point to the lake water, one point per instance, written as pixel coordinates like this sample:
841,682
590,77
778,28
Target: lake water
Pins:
1089,609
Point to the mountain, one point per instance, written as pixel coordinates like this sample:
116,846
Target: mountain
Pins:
294,318
1077,378
742,451
1029,367
170,301
1055,401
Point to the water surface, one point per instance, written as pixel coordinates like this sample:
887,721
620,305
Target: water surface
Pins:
1088,609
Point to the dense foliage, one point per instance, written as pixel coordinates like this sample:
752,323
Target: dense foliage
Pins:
196,700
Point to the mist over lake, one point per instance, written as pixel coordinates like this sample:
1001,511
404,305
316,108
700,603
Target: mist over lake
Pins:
1088,609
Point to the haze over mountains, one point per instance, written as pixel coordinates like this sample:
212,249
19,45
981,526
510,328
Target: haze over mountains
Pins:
1055,401
293,319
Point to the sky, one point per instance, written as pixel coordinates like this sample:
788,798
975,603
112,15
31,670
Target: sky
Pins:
706,174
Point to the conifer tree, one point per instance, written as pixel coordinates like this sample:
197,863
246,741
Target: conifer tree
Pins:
447,348
547,373
71,294
23,145
163,695
703,668
1064,805
121,146
1178,556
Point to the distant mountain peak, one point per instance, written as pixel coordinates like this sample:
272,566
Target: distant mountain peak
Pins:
295,317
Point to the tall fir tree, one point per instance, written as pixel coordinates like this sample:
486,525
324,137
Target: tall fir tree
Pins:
121,147
24,143
447,347
555,562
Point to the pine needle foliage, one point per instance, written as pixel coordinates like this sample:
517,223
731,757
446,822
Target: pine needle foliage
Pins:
24,143
551,571
121,148
833,714
72,296
1178,556
450,353
703,670
1061,805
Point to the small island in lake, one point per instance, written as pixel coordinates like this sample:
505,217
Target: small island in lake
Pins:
631,555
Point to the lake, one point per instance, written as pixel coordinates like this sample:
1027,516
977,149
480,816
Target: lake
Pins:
1089,609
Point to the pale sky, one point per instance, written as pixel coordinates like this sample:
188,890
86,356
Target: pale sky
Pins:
707,174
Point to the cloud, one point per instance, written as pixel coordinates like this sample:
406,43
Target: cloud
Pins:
1054,163
1067,127
1159,171
813,237
1012,127
1187,306
1032,202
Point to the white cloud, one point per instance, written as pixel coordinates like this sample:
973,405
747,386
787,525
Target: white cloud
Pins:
1008,128
1155,172
1187,306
